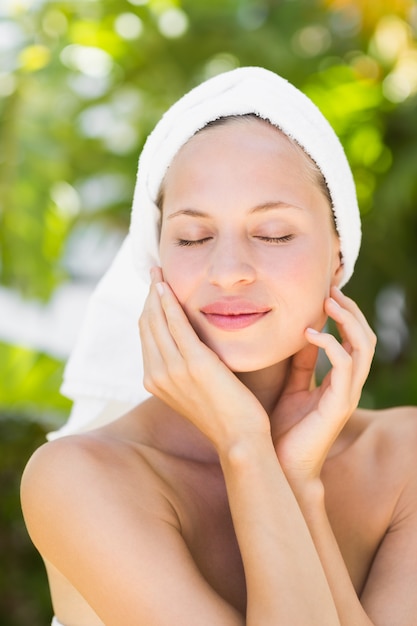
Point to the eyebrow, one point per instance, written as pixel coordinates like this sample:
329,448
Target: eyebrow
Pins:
260,208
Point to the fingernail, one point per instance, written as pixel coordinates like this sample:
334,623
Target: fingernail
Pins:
333,301
313,331
160,288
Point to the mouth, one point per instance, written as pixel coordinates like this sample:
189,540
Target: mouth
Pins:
233,315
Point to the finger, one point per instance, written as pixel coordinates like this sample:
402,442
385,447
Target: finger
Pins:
341,373
357,339
302,368
352,307
160,327
178,324
157,342
156,274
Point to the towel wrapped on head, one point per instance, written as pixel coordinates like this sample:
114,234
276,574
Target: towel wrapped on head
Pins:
104,373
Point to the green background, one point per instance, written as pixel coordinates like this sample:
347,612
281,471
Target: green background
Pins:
82,84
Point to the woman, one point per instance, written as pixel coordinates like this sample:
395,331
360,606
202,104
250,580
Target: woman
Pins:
240,492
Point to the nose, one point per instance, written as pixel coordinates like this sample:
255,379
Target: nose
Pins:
231,264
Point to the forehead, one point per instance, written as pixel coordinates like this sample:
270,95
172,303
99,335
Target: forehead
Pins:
247,148
245,127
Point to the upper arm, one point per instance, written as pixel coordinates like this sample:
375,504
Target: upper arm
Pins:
389,595
116,542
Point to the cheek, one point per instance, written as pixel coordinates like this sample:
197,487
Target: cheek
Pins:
301,284
314,265
178,274
305,270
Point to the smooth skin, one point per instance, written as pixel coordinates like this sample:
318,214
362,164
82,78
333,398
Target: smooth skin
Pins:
240,492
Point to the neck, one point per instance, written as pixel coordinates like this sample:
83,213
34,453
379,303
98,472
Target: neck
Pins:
266,384
175,435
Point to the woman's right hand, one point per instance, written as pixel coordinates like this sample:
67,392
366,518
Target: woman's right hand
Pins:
189,377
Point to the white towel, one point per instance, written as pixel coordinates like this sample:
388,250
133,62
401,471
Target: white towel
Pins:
104,372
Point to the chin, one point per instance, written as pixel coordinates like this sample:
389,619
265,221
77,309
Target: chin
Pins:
244,358
255,351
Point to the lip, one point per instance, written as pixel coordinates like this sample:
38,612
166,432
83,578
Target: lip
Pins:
234,314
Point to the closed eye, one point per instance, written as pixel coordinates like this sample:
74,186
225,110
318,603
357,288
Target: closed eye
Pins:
192,242
282,239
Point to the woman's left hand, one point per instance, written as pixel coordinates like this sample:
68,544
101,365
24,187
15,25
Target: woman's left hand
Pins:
307,420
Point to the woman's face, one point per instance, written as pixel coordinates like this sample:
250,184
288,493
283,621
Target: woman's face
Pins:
247,243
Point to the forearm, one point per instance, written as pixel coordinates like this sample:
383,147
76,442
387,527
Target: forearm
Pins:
349,608
286,583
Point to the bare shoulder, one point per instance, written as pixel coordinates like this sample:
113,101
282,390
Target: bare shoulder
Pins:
88,474
393,429
389,589
378,448
67,459
387,440
99,509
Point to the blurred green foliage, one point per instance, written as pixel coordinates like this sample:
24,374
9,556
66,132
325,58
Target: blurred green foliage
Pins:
81,85
24,596
30,384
